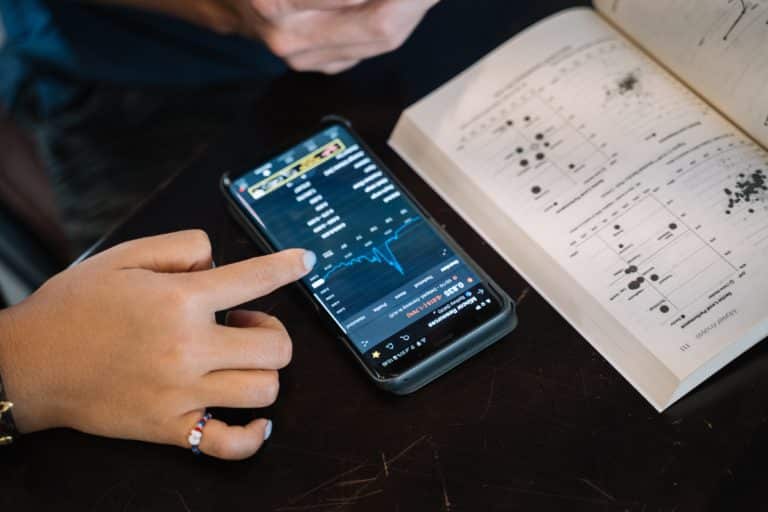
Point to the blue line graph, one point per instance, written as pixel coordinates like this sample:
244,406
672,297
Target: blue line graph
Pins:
378,254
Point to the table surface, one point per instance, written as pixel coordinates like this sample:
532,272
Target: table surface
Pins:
540,421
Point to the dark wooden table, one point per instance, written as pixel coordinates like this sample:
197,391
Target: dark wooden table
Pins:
538,422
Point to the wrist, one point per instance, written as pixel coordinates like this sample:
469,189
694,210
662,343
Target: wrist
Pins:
29,412
8,429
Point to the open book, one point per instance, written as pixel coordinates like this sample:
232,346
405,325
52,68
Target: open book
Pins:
616,158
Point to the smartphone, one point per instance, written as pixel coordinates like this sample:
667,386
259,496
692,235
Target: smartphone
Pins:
398,291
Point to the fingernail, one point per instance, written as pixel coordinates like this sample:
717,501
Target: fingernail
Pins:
309,260
268,430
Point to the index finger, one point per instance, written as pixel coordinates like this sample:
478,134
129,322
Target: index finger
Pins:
237,283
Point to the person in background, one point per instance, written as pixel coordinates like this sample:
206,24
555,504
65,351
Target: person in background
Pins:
78,75
125,344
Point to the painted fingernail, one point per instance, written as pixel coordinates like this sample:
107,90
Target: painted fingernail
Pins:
268,430
309,260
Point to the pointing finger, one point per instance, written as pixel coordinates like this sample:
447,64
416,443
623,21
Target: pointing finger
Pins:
230,285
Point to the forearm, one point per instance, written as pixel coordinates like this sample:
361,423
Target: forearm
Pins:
211,14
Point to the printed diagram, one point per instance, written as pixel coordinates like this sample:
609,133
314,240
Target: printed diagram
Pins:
649,235
627,85
654,260
629,95
716,46
749,192
663,254
740,16
528,145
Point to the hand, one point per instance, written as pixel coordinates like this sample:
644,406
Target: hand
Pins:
329,36
125,344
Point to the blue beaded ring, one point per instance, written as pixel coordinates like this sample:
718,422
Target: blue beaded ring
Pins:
196,434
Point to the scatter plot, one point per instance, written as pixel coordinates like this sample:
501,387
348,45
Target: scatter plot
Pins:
649,246
628,83
624,85
748,190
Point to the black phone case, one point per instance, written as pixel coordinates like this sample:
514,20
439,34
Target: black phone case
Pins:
444,359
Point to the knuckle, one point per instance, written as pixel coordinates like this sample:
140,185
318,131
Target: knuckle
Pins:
260,273
222,447
177,354
177,299
299,65
393,43
274,270
264,7
273,322
384,24
332,69
199,240
281,43
269,388
283,350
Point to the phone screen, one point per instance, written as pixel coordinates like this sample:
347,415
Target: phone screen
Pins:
392,283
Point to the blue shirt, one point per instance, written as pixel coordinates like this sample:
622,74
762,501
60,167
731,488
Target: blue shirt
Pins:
54,46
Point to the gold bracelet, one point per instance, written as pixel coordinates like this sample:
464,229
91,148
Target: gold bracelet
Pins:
8,432
4,408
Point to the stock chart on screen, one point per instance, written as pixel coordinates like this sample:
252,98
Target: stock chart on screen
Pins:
381,265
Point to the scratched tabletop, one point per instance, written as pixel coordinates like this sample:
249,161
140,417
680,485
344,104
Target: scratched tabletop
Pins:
540,421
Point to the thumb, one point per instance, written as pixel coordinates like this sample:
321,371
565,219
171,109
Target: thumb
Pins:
231,285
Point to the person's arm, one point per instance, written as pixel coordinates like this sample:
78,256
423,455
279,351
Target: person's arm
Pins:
125,344
221,16
329,36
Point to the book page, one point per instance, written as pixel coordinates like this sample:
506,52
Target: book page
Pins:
652,203
717,46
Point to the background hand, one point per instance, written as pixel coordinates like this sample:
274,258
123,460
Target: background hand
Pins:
126,344
331,36
328,36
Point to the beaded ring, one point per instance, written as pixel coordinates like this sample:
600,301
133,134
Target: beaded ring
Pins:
196,434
